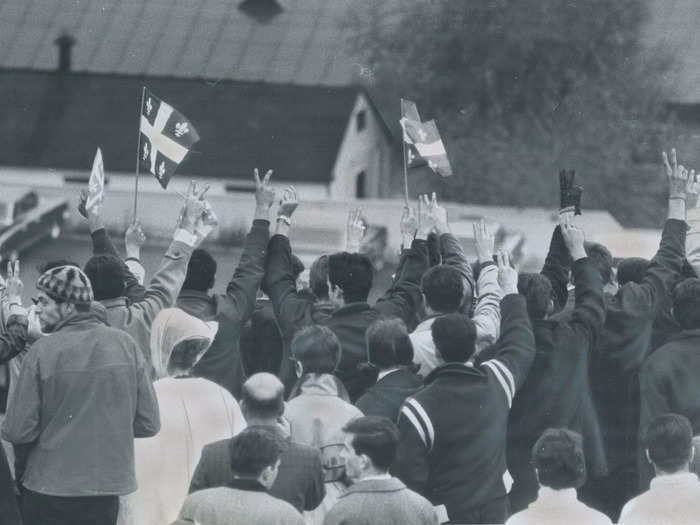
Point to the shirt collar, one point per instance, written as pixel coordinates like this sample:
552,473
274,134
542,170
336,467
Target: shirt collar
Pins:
681,478
548,496
252,485
386,475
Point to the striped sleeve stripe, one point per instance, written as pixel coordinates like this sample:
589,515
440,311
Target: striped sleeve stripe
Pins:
417,416
497,372
426,420
507,374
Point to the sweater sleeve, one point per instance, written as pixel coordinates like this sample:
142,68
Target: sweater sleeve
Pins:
404,296
453,255
665,267
487,313
411,465
692,239
239,301
556,269
589,311
291,310
516,346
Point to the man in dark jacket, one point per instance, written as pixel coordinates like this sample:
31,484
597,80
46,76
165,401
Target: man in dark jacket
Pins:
556,392
222,362
300,477
669,378
625,343
350,281
453,432
390,353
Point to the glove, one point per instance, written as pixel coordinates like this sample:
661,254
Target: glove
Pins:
569,195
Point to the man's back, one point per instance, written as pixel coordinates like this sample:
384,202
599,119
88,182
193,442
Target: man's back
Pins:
225,506
381,501
468,419
558,506
84,384
299,480
671,499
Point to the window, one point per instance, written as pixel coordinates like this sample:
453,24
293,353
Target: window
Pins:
361,120
361,185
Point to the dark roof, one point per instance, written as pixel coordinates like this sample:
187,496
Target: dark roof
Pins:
57,122
303,43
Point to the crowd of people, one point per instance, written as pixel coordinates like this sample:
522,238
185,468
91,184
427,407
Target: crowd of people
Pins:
468,393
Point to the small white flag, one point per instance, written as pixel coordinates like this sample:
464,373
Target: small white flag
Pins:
96,186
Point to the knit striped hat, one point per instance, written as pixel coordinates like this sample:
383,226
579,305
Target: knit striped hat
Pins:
66,283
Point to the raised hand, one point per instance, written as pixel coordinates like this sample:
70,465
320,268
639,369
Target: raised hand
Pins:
194,206
264,192
484,241
288,203
507,275
677,176
569,193
14,283
409,222
427,216
134,238
355,230
574,240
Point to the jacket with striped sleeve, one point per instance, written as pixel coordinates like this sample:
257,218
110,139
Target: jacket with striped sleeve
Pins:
452,448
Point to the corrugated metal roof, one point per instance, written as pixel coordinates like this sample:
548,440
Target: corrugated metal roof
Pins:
305,44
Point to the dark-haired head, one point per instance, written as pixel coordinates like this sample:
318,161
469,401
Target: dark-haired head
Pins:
318,277
107,275
255,454
454,336
558,458
370,445
686,303
388,344
537,290
632,269
201,271
601,258
316,349
668,443
443,289
352,274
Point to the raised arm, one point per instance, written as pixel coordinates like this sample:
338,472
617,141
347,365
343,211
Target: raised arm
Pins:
13,339
404,297
167,281
102,244
516,346
487,312
239,301
666,266
589,310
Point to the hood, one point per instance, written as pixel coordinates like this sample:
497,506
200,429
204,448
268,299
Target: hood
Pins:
172,326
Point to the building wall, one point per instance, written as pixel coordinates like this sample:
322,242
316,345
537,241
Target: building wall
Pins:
367,150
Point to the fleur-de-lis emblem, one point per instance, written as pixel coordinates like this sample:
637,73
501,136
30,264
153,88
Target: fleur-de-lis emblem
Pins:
161,170
149,107
145,150
181,128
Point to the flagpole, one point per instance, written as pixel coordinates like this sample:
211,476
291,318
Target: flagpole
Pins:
138,154
405,167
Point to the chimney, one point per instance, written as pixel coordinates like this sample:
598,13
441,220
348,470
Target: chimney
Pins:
65,43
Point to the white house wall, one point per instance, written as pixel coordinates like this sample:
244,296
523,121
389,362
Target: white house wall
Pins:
368,150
